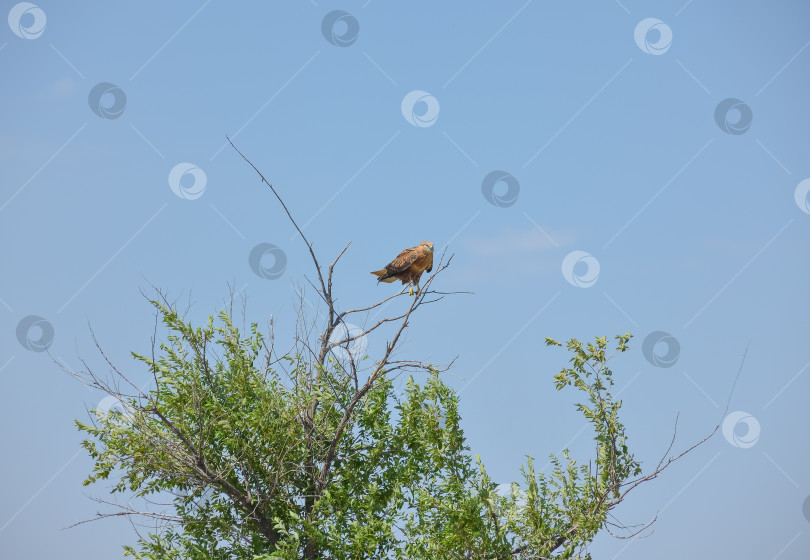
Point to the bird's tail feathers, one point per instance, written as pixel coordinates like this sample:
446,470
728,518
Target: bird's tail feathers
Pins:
380,274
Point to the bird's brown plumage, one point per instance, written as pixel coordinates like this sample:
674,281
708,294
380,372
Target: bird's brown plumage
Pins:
409,265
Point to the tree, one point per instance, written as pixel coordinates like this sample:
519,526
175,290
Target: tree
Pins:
242,451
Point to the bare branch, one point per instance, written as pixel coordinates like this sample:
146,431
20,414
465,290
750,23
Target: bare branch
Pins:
289,215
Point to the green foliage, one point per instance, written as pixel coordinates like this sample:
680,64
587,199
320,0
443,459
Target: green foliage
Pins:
261,460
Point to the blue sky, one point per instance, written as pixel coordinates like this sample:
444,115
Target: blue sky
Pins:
605,123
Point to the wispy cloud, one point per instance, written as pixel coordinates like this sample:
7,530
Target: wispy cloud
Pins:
524,242
63,87
512,252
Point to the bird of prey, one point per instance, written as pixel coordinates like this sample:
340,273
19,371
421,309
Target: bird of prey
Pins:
408,266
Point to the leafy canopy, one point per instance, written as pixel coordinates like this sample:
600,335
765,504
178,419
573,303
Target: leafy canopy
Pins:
246,452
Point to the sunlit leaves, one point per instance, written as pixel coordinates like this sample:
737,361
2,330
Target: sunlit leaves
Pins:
235,448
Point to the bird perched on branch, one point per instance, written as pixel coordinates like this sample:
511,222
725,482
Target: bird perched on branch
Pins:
408,266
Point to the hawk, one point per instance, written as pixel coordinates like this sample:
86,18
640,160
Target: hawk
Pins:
408,266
